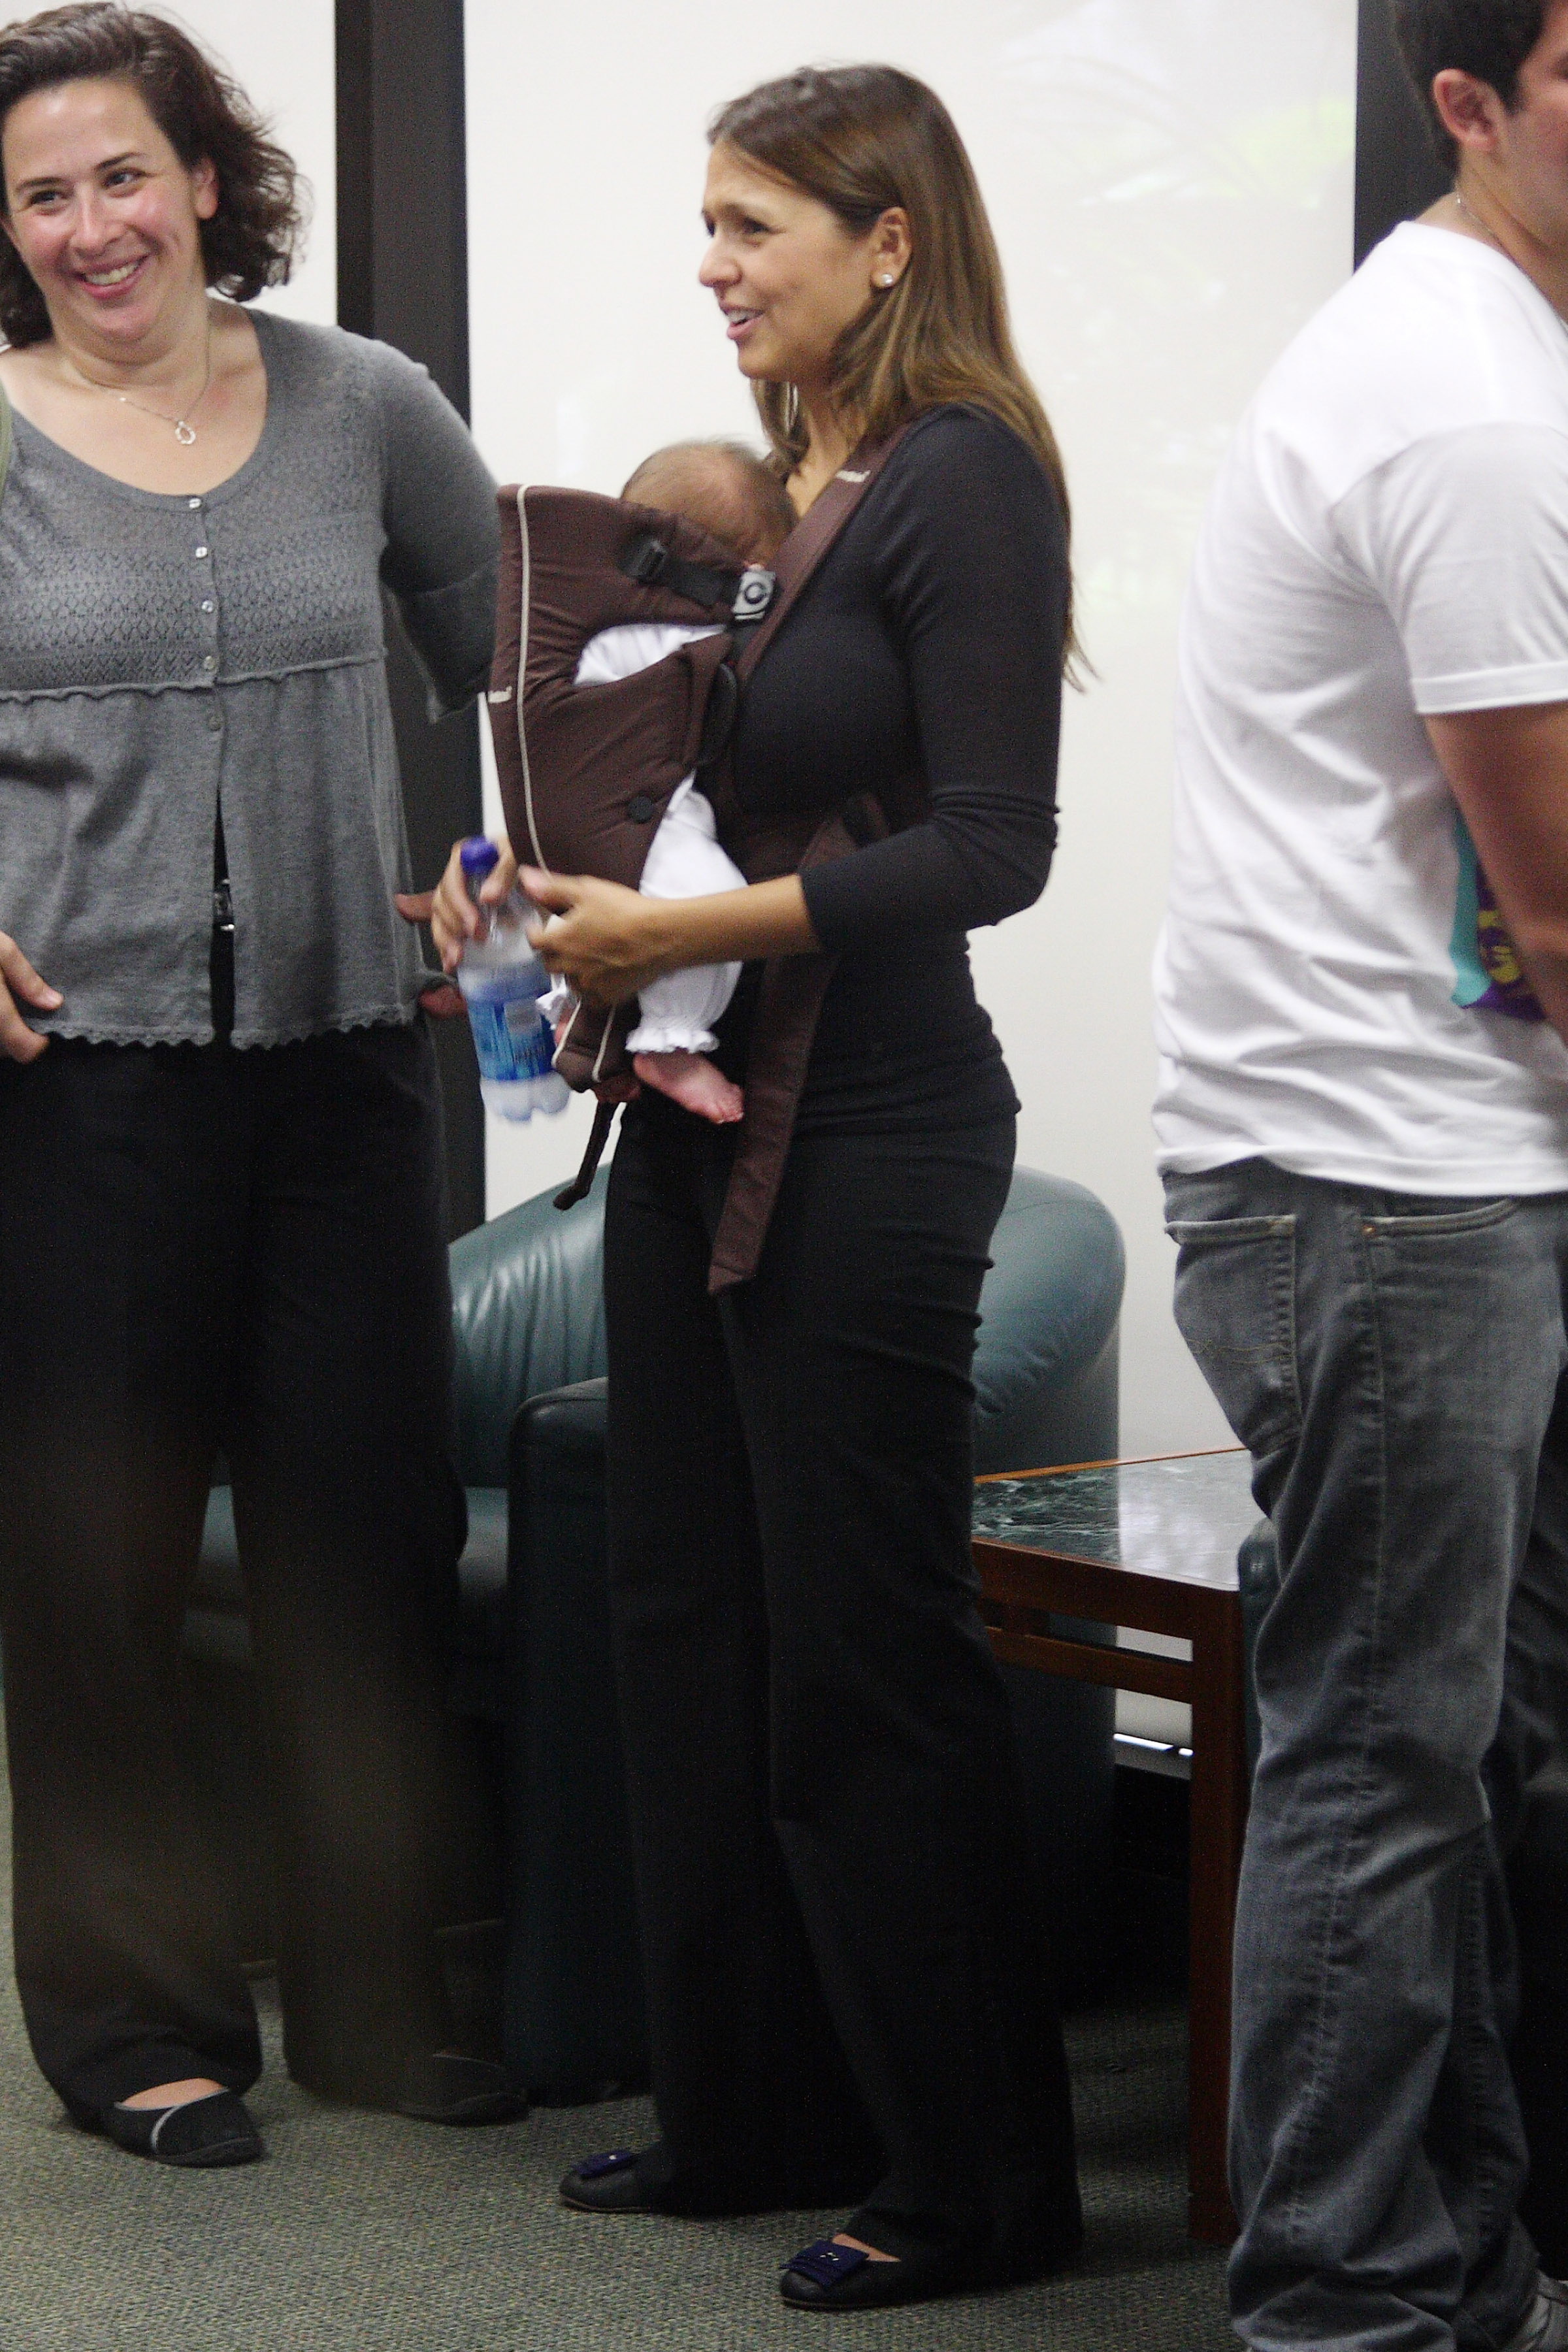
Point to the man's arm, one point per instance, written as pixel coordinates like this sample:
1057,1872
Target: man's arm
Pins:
1509,769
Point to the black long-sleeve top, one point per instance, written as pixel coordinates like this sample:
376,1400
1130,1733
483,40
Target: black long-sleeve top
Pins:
930,641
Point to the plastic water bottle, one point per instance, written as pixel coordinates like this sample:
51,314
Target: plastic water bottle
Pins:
502,980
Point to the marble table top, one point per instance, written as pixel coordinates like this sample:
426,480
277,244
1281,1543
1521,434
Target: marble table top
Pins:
1180,1518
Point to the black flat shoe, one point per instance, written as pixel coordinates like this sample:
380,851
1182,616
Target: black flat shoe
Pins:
829,2277
445,2089
606,2184
213,2130
825,2277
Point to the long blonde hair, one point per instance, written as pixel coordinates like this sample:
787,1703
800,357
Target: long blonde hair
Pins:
862,140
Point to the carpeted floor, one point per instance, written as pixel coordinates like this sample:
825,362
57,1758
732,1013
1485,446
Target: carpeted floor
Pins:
365,2233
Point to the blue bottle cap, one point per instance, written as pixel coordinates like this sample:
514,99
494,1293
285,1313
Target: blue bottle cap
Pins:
479,858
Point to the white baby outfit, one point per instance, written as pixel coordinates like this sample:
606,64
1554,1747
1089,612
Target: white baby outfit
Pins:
684,859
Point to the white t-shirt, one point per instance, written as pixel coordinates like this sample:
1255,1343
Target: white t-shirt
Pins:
1388,538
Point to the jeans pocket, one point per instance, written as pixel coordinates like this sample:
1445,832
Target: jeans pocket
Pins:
1442,1219
1236,1308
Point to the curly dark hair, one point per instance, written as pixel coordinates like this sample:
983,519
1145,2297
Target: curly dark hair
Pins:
252,238
1488,38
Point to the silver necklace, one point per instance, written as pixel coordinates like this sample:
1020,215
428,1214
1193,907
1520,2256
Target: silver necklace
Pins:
184,432
1480,224
1502,247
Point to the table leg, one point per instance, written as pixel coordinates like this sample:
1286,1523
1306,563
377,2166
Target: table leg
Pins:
1218,1824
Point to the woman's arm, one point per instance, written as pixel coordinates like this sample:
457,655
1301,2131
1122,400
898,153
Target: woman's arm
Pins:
609,941
968,551
442,532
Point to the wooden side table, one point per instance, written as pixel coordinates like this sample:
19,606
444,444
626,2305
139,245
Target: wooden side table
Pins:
1150,1545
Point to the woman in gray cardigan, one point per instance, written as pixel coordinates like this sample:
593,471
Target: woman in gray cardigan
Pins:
221,1216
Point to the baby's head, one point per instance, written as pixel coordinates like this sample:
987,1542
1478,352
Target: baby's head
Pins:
723,488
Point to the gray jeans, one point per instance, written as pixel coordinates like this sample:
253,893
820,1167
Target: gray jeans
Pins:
1396,1366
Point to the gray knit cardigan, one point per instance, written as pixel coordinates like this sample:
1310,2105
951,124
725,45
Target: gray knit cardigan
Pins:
165,657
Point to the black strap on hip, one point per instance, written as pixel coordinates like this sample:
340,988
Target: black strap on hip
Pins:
598,1136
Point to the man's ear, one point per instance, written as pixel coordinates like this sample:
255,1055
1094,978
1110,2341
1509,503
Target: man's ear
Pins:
1469,109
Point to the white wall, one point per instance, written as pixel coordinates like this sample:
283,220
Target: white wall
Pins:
282,57
1170,182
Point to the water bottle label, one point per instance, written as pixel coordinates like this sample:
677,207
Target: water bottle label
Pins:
504,964
511,1041
508,984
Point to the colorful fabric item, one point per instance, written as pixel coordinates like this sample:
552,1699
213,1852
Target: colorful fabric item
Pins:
1488,975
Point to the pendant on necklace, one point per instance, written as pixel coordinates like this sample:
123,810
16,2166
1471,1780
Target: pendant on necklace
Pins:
185,434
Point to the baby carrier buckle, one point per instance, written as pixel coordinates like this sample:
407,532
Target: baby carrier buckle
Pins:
753,595
652,564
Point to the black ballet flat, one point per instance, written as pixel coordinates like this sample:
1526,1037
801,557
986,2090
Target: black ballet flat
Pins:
606,2184
829,2277
445,2089
825,2277
200,2132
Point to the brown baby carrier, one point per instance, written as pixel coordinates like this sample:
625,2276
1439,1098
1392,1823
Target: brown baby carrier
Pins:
587,771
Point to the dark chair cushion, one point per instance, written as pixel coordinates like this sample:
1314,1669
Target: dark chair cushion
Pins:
527,1313
216,1626
574,2018
481,1576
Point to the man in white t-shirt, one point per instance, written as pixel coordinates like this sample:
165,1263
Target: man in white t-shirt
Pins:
1363,1119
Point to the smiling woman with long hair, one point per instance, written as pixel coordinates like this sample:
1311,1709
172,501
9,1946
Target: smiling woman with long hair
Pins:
847,1971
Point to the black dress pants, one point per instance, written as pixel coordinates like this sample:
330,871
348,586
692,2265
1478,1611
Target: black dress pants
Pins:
202,1248
843,1936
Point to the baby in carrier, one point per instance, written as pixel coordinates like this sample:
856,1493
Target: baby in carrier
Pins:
733,498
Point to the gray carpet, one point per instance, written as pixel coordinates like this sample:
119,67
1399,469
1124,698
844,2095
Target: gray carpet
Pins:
365,2233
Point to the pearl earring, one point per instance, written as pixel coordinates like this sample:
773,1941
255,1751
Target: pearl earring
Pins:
884,281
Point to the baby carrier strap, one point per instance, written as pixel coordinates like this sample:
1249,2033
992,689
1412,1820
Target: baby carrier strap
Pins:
794,988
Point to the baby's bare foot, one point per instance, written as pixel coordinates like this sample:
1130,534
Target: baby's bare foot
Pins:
694,1082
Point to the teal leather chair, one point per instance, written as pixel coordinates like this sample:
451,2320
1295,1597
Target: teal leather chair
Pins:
531,1689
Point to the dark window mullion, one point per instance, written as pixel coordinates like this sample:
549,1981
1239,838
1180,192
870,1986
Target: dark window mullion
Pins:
403,278
1399,173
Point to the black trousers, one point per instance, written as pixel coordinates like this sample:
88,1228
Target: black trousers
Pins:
844,1937
201,1249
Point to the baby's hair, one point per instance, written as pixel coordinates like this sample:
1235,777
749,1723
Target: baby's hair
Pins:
725,488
